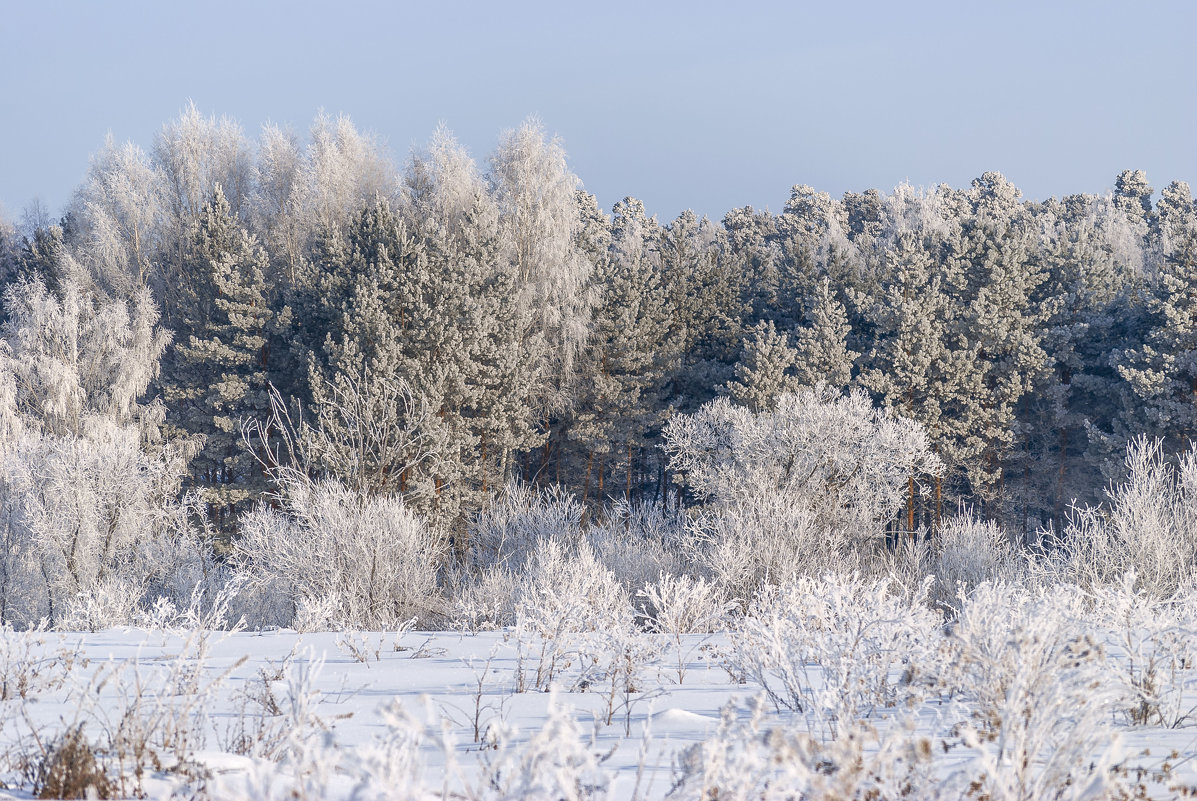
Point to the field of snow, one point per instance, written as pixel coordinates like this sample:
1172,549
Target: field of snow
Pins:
273,715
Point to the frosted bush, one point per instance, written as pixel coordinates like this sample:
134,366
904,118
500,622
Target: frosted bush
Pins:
1153,652
483,601
340,559
748,761
109,603
837,648
638,541
994,622
556,764
747,546
823,470
846,462
676,606
1036,678
1149,526
967,552
566,594
508,531
87,513
685,605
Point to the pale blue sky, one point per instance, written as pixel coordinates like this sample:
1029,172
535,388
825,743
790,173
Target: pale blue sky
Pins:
681,104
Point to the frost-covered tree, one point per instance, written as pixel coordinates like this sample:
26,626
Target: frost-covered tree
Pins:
89,523
621,406
535,193
8,251
993,276
826,469
705,286
119,211
342,171
276,201
217,371
765,370
821,344
382,276
755,255
1087,285
496,360
195,154
913,366
1160,395
1132,195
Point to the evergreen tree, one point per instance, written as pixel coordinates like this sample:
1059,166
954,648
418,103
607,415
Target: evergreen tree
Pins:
913,365
766,369
217,372
706,295
821,344
754,254
994,277
621,409
1160,394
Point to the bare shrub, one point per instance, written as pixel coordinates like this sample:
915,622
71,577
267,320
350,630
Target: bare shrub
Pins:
682,605
746,761
1035,677
70,769
567,592
1152,652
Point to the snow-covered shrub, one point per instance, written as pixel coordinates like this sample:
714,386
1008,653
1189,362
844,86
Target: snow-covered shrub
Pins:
680,605
838,647
1148,526
508,531
369,562
823,471
748,545
639,541
26,670
966,552
750,761
1002,625
555,763
483,600
1036,677
1153,652
566,595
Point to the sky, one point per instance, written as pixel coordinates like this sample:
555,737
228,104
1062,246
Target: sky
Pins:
695,104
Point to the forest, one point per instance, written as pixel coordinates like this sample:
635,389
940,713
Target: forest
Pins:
285,384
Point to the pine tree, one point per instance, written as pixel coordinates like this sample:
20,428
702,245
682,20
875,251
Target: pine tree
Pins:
1083,292
706,295
217,372
912,364
765,370
821,344
754,254
621,409
993,276
1160,395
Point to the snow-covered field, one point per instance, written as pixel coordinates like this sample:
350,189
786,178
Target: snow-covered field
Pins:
1017,698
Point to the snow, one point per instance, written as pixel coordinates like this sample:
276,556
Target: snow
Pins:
333,709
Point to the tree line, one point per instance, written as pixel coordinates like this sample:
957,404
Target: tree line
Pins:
435,330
